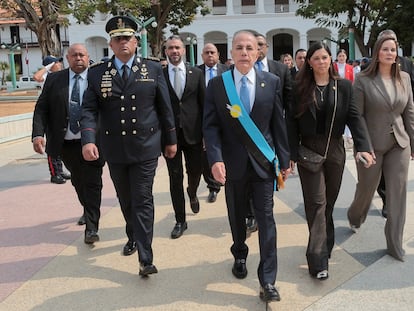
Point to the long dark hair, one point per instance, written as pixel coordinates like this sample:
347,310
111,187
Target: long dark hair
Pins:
305,80
372,69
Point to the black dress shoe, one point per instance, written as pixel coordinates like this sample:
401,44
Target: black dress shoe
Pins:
194,204
269,293
212,197
178,230
91,237
129,248
65,175
57,179
384,211
147,269
251,225
239,268
82,220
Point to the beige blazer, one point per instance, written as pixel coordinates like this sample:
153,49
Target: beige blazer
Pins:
385,115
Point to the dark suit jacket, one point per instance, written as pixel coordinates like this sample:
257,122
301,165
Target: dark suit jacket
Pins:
131,117
407,66
222,142
305,126
188,111
220,69
51,112
282,71
293,72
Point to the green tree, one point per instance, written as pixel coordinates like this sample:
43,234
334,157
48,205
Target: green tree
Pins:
366,16
175,14
42,17
3,67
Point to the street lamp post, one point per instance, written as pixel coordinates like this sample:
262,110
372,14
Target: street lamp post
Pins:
144,33
192,42
12,48
351,37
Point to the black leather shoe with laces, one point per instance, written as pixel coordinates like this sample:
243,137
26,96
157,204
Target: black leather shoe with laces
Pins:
269,293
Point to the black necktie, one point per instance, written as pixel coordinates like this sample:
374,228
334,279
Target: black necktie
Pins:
75,107
125,72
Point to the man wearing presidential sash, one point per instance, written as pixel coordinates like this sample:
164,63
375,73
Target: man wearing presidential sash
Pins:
243,109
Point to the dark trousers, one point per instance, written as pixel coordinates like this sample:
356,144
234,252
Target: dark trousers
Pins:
86,177
320,191
212,184
55,165
381,190
133,184
237,201
193,165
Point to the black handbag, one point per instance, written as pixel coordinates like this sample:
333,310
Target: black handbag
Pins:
311,160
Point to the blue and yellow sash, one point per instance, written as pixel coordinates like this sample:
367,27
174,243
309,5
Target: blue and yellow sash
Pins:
252,138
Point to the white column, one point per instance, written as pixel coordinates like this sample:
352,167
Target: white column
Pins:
303,41
230,10
260,7
200,45
229,40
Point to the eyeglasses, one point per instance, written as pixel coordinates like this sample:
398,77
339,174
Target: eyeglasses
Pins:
262,44
121,38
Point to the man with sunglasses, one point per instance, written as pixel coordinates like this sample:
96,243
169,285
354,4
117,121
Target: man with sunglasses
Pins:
128,97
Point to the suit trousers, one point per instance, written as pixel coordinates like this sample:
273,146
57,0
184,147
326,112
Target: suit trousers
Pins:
193,165
212,184
86,177
237,201
393,162
133,183
320,191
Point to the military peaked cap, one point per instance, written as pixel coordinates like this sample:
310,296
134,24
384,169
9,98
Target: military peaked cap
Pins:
121,26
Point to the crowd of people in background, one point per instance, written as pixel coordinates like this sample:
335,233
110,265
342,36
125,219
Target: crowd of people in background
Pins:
243,125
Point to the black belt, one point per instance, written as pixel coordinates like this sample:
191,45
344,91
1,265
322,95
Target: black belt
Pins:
72,141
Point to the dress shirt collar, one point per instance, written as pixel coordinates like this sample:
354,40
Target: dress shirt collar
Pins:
251,76
181,66
118,63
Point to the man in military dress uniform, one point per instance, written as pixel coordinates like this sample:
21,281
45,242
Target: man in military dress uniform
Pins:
127,99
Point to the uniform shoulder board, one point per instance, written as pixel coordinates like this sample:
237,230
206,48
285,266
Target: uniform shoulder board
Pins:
96,64
155,59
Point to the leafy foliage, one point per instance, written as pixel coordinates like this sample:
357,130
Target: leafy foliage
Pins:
43,16
372,16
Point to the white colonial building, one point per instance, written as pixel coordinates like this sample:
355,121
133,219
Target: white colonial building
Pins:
276,19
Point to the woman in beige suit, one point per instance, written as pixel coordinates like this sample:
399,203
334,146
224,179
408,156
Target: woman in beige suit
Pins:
384,97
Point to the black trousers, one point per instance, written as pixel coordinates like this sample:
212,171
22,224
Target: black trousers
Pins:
237,201
193,165
212,184
86,177
320,191
55,165
133,184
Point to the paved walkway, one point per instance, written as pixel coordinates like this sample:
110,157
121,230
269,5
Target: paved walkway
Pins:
44,264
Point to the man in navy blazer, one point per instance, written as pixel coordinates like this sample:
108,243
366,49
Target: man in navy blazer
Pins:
52,114
211,68
233,165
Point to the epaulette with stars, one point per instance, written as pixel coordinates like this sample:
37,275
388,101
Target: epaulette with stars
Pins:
96,64
155,59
